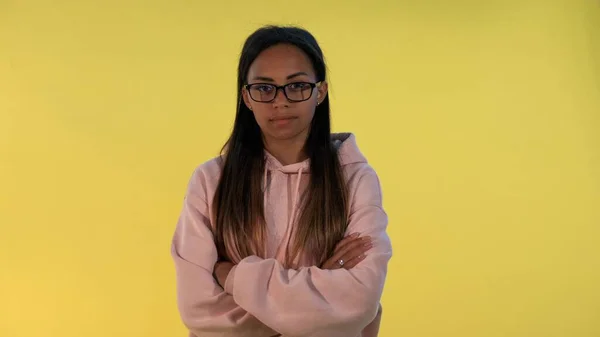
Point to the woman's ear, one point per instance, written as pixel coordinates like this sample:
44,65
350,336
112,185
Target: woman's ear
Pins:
321,92
246,98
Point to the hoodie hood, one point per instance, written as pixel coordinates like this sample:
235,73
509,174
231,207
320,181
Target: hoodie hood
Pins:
348,149
345,143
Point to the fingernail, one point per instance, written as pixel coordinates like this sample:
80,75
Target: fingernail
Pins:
369,245
355,235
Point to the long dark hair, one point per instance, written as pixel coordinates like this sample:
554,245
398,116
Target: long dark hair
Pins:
240,228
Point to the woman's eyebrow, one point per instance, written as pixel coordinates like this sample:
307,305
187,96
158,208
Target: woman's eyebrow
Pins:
262,78
300,73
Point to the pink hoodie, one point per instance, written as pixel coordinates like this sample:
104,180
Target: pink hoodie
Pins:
263,299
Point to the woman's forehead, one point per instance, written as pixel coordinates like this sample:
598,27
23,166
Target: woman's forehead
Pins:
279,62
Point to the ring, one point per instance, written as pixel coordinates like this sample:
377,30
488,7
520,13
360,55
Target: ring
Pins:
341,262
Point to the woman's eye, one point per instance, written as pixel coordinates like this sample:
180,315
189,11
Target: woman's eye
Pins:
298,86
264,88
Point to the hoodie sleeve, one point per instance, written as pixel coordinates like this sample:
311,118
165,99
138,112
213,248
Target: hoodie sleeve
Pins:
315,302
205,309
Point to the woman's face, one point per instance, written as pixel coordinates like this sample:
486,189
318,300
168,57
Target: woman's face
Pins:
283,118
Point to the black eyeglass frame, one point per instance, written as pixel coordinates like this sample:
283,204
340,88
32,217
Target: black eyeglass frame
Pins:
282,87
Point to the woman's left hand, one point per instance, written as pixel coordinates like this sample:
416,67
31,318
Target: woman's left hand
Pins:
348,252
221,271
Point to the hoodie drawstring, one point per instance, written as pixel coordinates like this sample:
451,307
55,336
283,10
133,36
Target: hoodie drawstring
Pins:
265,191
294,196
295,199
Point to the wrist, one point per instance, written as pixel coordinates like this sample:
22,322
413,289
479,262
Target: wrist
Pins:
221,271
216,272
229,280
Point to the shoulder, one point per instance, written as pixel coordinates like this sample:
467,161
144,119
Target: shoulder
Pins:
210,168
359,173
205,178
363,183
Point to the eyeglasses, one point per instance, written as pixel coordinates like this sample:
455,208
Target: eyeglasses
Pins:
294,92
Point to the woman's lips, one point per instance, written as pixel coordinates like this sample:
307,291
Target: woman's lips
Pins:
281,121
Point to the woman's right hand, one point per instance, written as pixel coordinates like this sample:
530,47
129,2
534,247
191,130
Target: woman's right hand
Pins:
348,252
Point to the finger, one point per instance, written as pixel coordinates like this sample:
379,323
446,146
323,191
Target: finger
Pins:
334,261
343,250
344,245
331,264
347,240
350,260
355,261
341,247
357,246
357,252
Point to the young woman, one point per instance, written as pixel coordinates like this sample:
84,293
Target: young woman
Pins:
284,234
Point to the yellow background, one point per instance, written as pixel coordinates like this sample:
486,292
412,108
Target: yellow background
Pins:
481,117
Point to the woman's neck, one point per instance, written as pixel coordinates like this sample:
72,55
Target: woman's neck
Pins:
287,152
